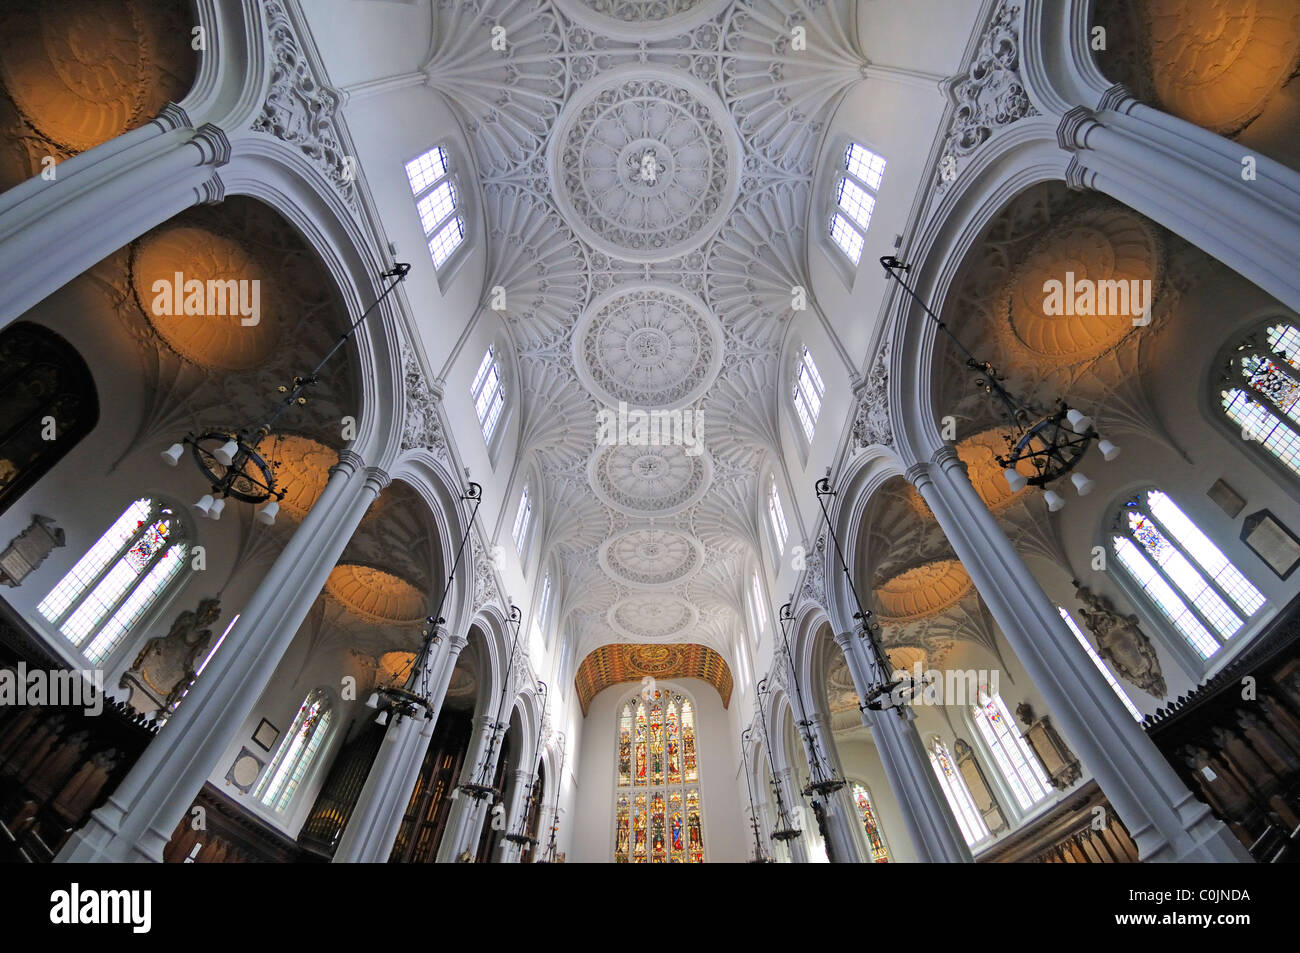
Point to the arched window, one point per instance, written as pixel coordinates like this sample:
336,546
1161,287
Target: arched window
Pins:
862,798
118,580
1182,573
855,199
1265,401
963,806
1101,666
776,516
296,752
437,199
808,392
489,393
1012,754
523,519
657,811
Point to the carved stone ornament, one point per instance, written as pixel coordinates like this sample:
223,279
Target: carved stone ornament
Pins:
165,668
1121,643
422,428
299,109
28,550
1058,760
871,424
814,583
971,772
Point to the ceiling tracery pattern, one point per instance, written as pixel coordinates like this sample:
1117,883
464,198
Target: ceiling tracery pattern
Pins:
646,170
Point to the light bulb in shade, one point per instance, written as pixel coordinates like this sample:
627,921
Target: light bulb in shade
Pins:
1078,420
1015,479
204,505
172,455
1108,450
373,700
1053,500
214,511
225,453
266,513
382,719
1081,483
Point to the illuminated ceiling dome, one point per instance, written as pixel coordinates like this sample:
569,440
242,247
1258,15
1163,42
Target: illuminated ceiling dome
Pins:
215,341
922,591
1101,245
302,468
376,595
979,453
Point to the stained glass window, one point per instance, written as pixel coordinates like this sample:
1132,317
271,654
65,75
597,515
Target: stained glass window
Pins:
657,816
1011,753
1185,575
879,852
297,751
963,806
808,392
1265,404
433,185
111,588
859,179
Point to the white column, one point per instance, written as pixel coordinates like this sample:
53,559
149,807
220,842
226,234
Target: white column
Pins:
797,846
516,811
926,811
840,819
141,814
1191,181
1165,820
50,232
466,818
375,820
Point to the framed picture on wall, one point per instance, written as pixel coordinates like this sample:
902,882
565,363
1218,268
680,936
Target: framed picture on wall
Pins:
265,735
1272,542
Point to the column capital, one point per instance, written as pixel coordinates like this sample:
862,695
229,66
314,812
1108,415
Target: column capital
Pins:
213,143
172,116
212,191
1078,177
1119,98
378,478
457,643
1072,132
946,459
918,474
349,462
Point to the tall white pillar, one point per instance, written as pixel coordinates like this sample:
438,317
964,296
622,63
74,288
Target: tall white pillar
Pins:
50,232
935,834
1165,820
797,846
516,815
140,815
465,821
841,822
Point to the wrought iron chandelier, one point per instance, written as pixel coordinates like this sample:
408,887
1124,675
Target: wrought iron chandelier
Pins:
760,854
549,857
786,831
521,836
1049,444
229,459
821,779
481,786
413,695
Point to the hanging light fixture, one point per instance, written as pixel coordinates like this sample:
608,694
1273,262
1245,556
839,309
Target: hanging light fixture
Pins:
760,854
1048,443
888,689
549,856
230,461
821,778
480,786
522,837
786,831
413,695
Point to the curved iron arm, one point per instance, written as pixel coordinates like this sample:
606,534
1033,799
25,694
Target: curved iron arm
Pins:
787,830
760,855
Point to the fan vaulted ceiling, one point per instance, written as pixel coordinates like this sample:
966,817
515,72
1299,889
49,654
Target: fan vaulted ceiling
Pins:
646,170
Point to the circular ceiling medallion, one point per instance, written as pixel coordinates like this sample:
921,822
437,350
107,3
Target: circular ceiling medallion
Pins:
979,452
649,346
641,19
655,659
652,616
645,162
649,481
375,595
923,591
192,283
651,557
302,468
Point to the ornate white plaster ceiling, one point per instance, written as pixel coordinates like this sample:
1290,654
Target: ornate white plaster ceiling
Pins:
652,616
649,481
649,346
651,557
641,19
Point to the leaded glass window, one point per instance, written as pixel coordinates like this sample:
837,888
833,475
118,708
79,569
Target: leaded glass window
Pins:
489,393
776,516
657,813
959,798
808,392
1265,399
1184,575
856,190
862,798
1011,753
110,589
434,187
297,751
523,519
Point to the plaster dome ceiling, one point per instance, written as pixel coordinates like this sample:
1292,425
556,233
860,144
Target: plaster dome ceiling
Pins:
651,557
1098,245
212,341
652,616
922,591
302,468
649,346
905,658
979,453
394,667
842,694
641,19
646,163
649,481
375,595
